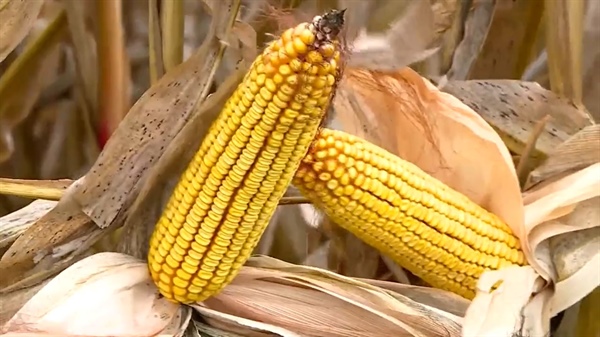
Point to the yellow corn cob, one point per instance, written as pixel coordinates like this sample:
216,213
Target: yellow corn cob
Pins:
428,228
229,192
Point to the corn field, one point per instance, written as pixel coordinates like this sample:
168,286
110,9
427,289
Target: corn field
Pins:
315,168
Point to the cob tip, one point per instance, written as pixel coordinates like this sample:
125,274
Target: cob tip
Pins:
328,26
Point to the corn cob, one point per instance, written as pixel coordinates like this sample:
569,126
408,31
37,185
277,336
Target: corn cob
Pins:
229,191
433,231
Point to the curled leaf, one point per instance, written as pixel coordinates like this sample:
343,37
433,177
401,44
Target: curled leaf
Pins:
577,152
563,264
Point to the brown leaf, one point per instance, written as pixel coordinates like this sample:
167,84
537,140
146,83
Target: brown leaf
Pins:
564,31
52,243
21,84
112,184
407,41
577,152
84,50
61,237
16,20
477,25
162,177
510,40
14,224
513,108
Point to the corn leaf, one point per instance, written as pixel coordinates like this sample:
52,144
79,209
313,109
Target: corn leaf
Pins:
509,45
16,20
564,42
110,187
21,84
477,26
513,108
577,152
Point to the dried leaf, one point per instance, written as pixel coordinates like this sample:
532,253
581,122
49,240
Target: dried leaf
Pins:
564,29
577,152
14,224
591,59
308,301
84,50
554,212
576,258
477,25
447,302
500,313
204,330
509,45
112,184
22,82
407,41
14,301
115,287
17,18
244,326
162,177
390,108
513,108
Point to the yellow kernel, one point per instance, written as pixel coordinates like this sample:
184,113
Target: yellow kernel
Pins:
290,50
327,50
307,37
299,45
314,57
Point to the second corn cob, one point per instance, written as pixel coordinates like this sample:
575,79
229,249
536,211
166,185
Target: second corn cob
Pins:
433,231
229,192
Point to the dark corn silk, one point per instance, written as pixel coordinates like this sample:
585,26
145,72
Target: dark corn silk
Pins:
425,226
230,190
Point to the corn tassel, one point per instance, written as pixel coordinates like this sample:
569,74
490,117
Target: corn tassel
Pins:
229,192
428,228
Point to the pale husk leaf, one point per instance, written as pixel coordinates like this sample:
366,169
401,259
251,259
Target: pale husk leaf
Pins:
309,301
107,294
535,293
